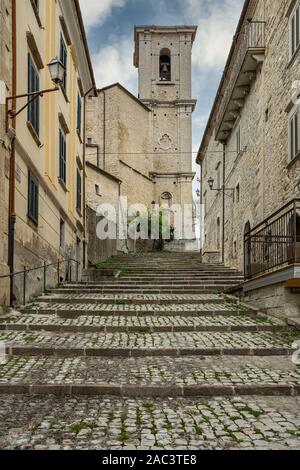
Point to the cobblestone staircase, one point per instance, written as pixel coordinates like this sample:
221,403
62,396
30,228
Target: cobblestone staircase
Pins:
148,354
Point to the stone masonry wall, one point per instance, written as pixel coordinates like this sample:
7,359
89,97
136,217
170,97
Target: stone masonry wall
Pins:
5,83
261,170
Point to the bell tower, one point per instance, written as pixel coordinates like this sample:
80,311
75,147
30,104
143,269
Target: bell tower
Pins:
163,58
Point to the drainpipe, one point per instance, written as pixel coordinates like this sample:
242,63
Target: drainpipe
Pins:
12,165
223,203
84,174
104,129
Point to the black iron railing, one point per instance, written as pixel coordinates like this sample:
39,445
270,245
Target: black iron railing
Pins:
252,37
67,275
275,242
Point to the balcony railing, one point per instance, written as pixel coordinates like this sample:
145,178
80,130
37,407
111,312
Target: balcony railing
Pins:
251,40
275,242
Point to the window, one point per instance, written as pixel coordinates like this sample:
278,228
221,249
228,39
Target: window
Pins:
294,135
166,198
64,59
219,175
234,249
295,30
79,113
237,193
78,191
97,189
33,198
89,141
165,65
238,140
218,234
62,157
33,110
62,234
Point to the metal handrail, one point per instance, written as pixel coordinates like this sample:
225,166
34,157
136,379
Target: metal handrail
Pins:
274,241
58,264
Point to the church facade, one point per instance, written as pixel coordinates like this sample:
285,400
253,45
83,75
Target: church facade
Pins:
146,141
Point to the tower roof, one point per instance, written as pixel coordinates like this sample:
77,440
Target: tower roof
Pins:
191,29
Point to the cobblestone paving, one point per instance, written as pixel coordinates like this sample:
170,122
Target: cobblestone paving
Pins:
122,307
208,345
150,371
108,423
141,321
131,297
150,341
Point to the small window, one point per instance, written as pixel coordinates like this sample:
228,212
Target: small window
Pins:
33,198
237,193
79,114
219,175
294,135
62,157
295,30
234,249
64,59
238,140
97,189
89,141
78,191
62,234
33,110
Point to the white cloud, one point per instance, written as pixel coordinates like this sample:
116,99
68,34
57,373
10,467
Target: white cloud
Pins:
94,12
216,26
114,63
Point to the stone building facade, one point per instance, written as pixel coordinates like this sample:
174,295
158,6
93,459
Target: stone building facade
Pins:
5,89
146,142
255,120
163,58
49,146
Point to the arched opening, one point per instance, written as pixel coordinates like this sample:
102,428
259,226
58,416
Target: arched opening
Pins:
165,65
166,198
247,249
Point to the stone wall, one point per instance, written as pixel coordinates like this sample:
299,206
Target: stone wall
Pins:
98,250
120,126
262,171
5,85
275,300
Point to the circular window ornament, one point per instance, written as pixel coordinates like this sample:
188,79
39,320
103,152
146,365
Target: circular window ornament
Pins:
165,142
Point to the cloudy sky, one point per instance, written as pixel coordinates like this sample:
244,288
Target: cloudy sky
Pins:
110,25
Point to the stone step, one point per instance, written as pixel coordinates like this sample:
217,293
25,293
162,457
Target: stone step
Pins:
149,324
144,290
148,344
73,310
132,299
151,377
137,283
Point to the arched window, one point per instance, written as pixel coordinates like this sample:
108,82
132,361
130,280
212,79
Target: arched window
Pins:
165,65
166,198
